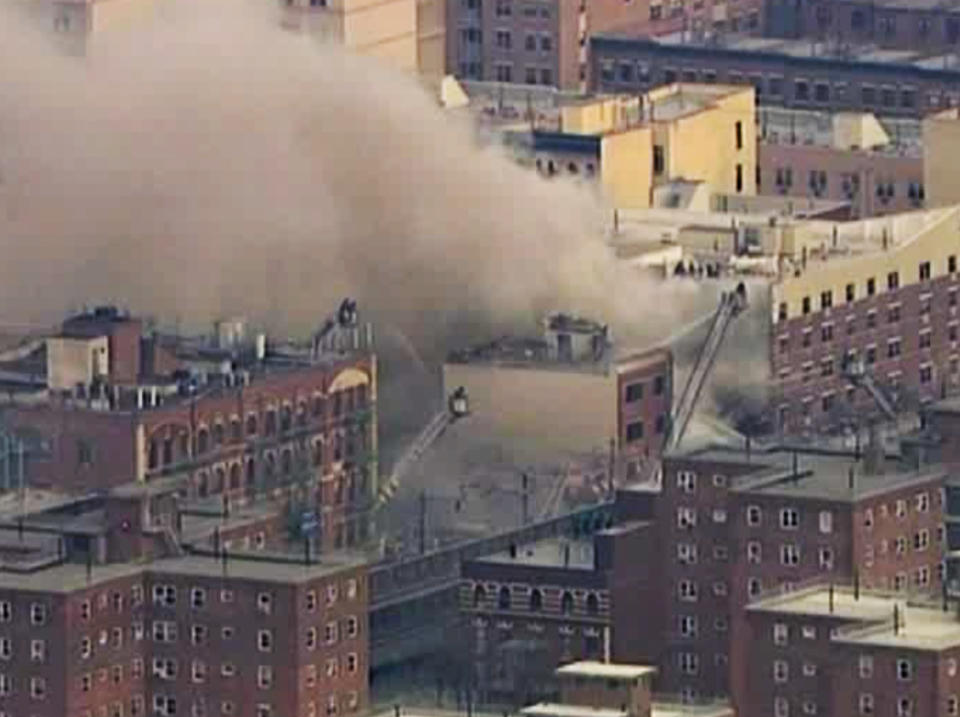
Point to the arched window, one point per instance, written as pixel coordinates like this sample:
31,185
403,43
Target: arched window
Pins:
318,453
302,413
271,465
572,168
236,433
286,418
286,462
318,406
503,598
271,422
154,455
566,602
203,484
220,482
203,441
235,476
593,604
167,451
252,424
536,600
218,434
479,595
251,471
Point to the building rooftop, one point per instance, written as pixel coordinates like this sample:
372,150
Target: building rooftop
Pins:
659,709
805,51
555,709
605,670
920,626
806,472
806,128
548,553
66,577
259,567
816,602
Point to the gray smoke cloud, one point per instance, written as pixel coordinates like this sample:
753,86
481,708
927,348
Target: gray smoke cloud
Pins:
207,163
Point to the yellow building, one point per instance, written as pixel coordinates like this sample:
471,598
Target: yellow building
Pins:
406,34
75,23
941,142
679,132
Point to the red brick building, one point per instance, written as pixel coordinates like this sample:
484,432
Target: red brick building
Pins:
545,42
534,607
734,524
192,635
227,416
835,651
923,25
887,296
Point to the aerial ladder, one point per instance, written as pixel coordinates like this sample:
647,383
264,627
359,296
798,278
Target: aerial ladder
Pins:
457,407
731,305
855,371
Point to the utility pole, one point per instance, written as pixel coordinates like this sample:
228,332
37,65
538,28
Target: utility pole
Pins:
611,468
423,522
525,497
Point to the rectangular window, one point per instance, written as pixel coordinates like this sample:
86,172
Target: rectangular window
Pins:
789,518
924,271
893,281
634,431
738,134
634,392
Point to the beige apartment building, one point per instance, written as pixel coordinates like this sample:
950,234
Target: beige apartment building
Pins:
407,34
941,139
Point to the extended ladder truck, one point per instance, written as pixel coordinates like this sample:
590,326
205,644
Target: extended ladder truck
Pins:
732,304
456,408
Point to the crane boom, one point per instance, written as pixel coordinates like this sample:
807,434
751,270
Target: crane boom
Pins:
731,304
457,407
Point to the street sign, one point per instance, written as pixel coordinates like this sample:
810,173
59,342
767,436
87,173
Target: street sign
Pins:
308,522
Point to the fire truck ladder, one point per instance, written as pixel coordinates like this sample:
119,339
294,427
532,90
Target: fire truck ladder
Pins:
856,372
457,407
731,304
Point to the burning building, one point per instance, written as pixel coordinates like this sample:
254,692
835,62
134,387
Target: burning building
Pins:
568,392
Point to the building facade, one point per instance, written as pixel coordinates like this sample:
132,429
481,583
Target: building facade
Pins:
886,23
794,74
523,388
545,42
192,635
840,650
734,525
224,423
892,305
534,607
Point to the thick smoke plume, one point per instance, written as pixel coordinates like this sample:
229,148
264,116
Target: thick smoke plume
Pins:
208,163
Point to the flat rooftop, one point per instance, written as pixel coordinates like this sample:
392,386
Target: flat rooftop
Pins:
815,602
67,577
923,626
659,709
258,567
785,126
790,49
606,670
531,353
807,473
548,553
